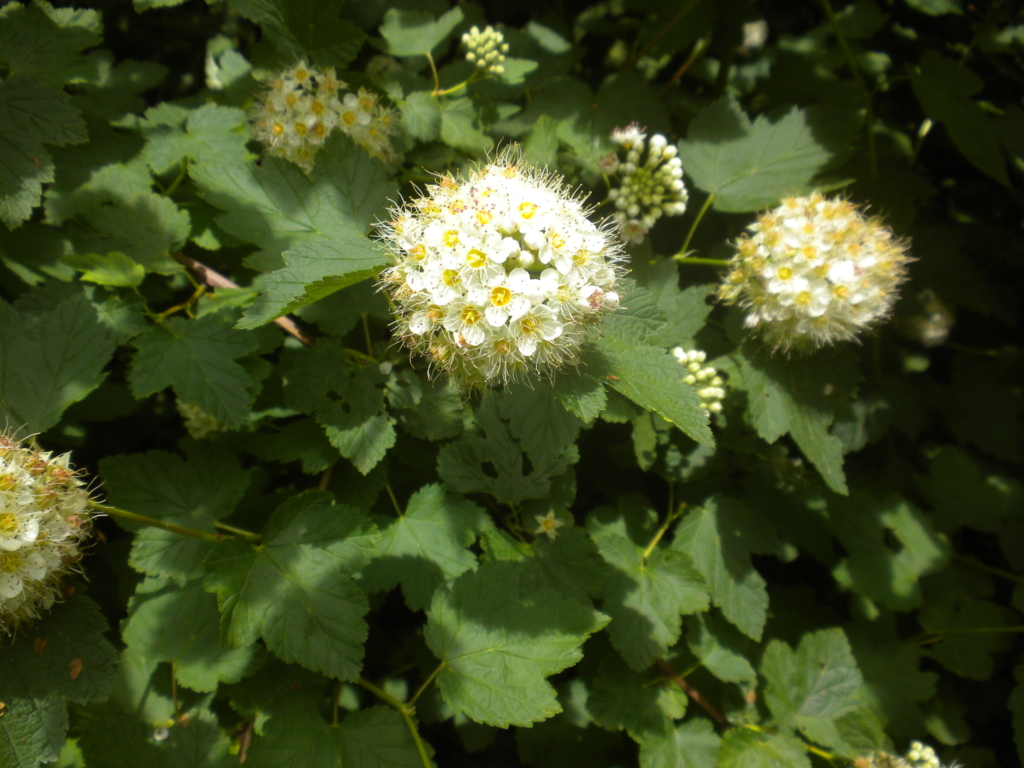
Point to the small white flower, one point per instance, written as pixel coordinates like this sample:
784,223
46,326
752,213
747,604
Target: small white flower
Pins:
548,524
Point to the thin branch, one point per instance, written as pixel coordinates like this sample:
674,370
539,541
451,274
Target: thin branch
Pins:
693,227
692,692
153,523
406,713
426,684
255,538
660,34
216,280
698,48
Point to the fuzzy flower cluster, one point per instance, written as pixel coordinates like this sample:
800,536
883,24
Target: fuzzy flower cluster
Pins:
499,274
44,516
199,423
703,378
815,271
486,49
648,187
303,105
918,756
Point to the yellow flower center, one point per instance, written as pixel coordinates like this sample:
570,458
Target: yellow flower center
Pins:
557,241
526,210
451,238
418,252
450,277
803,298
470,315
785,273
529,325
484,217
8,523
277,129
317,108
810,252
301,74
300,129
841,292
348,118
476,258
581,257
500,296
10,562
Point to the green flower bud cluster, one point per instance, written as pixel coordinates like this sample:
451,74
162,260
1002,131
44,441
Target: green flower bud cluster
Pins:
44,517
703,378
649,187
200,425
303,105
486,49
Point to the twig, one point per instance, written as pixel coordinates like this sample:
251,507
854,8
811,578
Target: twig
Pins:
698,48
660,34
126,515
216,280
692,692
405,711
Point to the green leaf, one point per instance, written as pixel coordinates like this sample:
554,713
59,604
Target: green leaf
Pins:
720,649
944,89
36,669
296,588
541,147
438,414
967,653
417,33
800,396
964,493
371,738
810,688
936,7
426,547
301,440
275,206
306,28
148,229
694,744
113,740
639,318
312,271
647,596
748,166
581,390
40,42
891,546
196,358
114,269
498,640
180,624
190,492
421,116
653,379
743,748
462,464
570,564
621,699
31,114
49,360
685,311
719,537
460,125
541,424
211,134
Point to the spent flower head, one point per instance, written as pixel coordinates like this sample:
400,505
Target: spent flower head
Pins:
499,274
815,271
485,49
649,186
199,423
303,105
44,517
705,379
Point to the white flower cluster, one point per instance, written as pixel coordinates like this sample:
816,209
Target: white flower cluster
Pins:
303,105
922,756
499,274
44,517
647,190
200,425
815,271
486,49
703,378
918,756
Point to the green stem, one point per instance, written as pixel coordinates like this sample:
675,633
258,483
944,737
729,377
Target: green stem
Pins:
669,519
391,493
334,706
177,179
851,62
683,259
404,711
426,683
126,515
693,227
433,70
448,91
988,568
255,538
366,333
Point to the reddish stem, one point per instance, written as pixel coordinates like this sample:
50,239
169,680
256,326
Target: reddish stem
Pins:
693,693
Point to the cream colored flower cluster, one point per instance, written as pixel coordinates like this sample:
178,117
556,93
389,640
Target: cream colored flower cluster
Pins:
703,378
918,756
303,105
44,516
815,271
499,274
648,189
199,423
486,49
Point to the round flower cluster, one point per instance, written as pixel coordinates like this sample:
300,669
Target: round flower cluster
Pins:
815,271
918,756
200,425
648,190
303,105
44,516
499,274
487,49
703,378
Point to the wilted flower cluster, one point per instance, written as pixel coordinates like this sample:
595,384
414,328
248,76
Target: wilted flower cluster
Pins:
303,105
44,517
815,271
649,189
703,378
499,274
486,49
200,425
